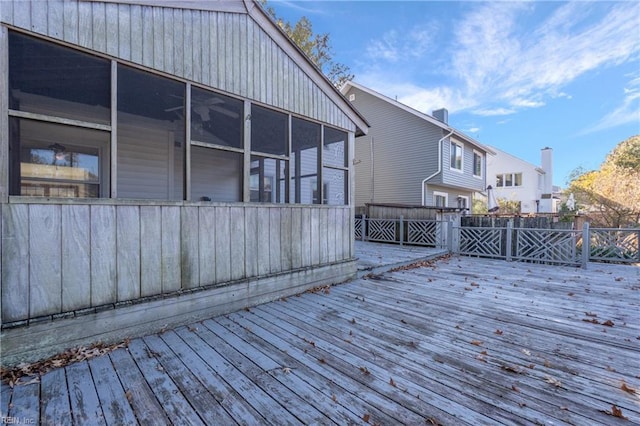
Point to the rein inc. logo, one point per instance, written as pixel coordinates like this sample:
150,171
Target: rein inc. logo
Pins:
10,420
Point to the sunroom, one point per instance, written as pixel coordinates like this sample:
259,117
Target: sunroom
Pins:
161,163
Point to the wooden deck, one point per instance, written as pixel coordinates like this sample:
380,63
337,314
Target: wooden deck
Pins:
467,341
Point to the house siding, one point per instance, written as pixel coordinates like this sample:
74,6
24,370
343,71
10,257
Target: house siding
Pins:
465,179
228,51
405,153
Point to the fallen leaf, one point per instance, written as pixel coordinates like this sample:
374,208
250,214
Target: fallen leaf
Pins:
591,320
570,294
403,321
392,383
128,395
475,284
476,342
512,369
615,412
364,370
619,278
353,320
553,381
626,388
547,363
483,353
515,388
365,418
499,332
608,323
589,314
334,398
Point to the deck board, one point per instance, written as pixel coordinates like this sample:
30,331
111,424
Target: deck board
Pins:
464,341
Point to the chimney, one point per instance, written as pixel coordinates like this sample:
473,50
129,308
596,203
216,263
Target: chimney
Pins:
441,114
546,164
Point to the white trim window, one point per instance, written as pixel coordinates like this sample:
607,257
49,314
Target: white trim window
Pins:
456,156
508,180
463,202
477,164
440,199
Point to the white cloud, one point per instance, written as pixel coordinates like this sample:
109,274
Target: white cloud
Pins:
494,111
495,57
473,129
628,112
395,46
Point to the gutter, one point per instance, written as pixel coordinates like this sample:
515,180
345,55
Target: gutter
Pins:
439,165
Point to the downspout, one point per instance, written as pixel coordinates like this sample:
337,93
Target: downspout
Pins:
372,174
439,166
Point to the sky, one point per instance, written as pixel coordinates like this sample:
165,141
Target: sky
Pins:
519,76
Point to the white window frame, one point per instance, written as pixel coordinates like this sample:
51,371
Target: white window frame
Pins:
466,201
441,194
451,151
479,154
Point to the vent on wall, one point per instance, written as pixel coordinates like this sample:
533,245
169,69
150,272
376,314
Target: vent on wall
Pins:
352,97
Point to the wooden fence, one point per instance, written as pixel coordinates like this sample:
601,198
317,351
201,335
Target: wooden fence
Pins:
69,258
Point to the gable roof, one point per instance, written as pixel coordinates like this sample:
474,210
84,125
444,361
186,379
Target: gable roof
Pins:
499,152
428,118
231,45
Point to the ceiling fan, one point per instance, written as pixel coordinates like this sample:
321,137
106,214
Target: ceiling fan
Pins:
202,106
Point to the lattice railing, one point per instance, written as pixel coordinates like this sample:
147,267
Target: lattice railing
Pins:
382,230
482,241
424,232
615,245
548,245
358,225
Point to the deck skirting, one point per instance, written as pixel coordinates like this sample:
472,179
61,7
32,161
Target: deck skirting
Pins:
38,341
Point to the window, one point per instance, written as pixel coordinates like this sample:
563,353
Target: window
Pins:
477,164
456,156
463,202
215,118
335,175
267,180
269,131
441,199
509,180
48,85
517,179
53,80
76,168
305,143
150,136
216,175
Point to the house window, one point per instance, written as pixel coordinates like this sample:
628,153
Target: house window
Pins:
477,164
509,180
76,168
51,87
269,131
441,199
305,145
517,179
151,131
463,202
215,119
456,156
267,180
216,175
335,175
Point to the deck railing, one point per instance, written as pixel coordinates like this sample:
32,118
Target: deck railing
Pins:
430,233
554,246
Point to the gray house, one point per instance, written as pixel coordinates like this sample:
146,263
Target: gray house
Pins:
408,157
161,161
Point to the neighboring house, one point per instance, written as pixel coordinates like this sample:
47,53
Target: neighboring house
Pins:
514,179
161,161
413,158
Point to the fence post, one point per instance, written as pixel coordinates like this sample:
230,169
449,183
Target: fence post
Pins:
509,248
449,235
363,227
401,229
586,245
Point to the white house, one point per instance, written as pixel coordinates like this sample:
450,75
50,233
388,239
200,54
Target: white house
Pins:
514,179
